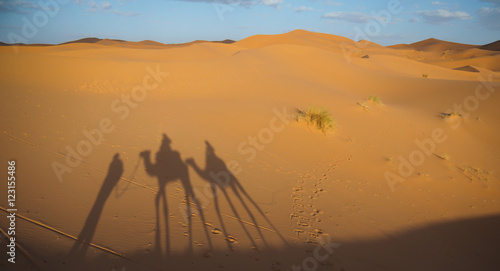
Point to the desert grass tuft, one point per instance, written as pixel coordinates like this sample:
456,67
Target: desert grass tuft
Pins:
446,157
317,117
375,99
363,105
449,115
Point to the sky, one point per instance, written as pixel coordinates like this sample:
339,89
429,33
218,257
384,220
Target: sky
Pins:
386,22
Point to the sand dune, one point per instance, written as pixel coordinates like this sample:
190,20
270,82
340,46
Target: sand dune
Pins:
494,46
434,45
167,119
145,44
452,55
88,40
297,37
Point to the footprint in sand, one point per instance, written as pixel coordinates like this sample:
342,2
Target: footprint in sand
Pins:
302,224
304,194
298,231
318,231
313,235
231,239
216,231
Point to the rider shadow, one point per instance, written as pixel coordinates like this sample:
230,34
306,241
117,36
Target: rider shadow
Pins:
169,167
86,235
221,179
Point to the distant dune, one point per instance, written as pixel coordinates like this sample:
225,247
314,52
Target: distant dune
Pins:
433,44
145,44
86,40
432,51
494,46
453,55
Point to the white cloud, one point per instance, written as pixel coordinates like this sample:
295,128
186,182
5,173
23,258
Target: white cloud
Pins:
127,14
352,17
489,17
440,16
106,5
332,3
437,3
235,3
303,9
271,2
17,6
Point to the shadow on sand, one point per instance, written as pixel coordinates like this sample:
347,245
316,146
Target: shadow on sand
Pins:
169,167
469,244
221,180
86,235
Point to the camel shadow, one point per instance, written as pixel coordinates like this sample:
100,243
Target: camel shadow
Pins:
221,179
169,167
87,233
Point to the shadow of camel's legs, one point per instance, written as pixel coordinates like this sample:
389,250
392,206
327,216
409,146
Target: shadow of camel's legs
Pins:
239,187
190,193
157,233
237,193
219,215
239,218
190,222
167,228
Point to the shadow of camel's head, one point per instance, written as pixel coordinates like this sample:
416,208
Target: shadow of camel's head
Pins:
209,149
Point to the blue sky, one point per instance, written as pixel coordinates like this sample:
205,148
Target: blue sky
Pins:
174,21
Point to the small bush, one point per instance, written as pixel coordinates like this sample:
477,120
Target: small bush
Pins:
375,99
425,75
446,157
318,117
449,115
363,105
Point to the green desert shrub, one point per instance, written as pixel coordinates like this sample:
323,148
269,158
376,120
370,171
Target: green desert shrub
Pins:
375,99
317,117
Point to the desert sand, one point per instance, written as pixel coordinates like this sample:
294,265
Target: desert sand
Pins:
146,156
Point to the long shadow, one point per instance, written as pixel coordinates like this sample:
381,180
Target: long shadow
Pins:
221,179
169,167
86,235
460,245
